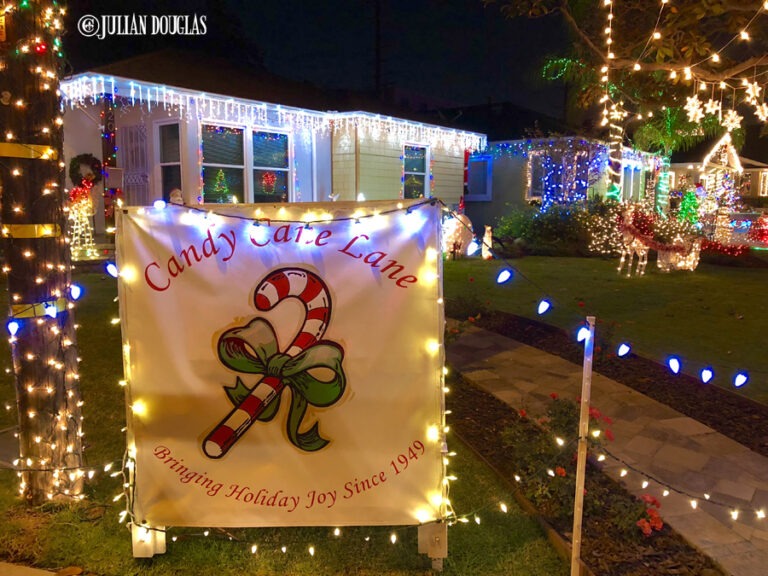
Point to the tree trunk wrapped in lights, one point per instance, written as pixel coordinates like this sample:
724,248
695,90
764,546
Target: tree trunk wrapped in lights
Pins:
37,258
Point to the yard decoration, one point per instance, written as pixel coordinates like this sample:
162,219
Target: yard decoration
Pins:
457,234
310,429
632,245
81,208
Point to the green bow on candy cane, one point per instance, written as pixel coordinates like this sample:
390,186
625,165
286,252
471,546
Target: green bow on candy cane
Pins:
253,349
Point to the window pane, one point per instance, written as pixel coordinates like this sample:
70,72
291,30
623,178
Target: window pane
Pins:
413,186
270,150
415,159
221,184
222,145
169,143
477,183
171,178
270,186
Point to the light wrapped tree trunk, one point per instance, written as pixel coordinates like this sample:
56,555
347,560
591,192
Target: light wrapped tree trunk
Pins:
37,257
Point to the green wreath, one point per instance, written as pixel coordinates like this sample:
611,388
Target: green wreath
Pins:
75,169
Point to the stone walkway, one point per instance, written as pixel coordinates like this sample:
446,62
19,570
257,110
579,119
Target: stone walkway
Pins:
650,437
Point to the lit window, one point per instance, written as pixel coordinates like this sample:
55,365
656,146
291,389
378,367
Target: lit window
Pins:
223,164
271,168
415,175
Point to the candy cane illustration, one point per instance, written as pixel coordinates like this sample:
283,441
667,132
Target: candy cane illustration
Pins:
285,283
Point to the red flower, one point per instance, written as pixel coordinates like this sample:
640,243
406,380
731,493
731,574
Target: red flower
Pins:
645,526
581,304
650,500
594,413
523,413
609,435
560,471
608,420
554,396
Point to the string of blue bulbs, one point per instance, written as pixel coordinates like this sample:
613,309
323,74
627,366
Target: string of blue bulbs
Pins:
674,363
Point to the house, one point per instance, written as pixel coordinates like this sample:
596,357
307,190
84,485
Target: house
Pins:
545,171
165,122
715,159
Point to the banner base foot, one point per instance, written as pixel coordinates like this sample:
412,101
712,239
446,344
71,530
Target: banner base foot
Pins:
433,541
147,541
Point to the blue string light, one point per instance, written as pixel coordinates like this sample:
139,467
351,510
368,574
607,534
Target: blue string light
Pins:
674,364
623,349
12,326
544,306
706,374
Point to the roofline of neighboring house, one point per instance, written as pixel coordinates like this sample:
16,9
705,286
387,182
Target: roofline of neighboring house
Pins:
543,139
86,86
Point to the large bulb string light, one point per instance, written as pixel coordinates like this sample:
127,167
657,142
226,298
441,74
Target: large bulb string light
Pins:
739,376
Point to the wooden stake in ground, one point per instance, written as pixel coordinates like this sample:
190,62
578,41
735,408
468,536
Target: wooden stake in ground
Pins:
581,460
36,253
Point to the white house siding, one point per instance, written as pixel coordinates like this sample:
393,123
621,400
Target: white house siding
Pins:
448,173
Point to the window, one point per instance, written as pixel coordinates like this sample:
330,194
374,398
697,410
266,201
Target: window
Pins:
223,164
415,174
764,183
270,167
537,176
170,159
479,179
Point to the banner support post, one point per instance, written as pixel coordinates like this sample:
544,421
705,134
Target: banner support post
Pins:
581,459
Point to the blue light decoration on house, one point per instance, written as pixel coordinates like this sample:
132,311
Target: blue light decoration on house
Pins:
706,374
674,364
582,334
111,269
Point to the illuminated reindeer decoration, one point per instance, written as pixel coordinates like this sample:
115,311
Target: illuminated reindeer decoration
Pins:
631,244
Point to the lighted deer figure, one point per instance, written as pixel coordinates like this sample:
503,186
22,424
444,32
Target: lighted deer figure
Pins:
632,245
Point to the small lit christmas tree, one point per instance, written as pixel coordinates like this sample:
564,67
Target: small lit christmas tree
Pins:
220,187
689,208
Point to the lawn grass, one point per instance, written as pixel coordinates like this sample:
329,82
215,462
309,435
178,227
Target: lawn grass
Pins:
714,316
89,535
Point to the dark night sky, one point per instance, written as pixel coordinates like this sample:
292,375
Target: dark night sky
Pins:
447,52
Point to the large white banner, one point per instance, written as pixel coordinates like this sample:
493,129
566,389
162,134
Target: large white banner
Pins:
284,363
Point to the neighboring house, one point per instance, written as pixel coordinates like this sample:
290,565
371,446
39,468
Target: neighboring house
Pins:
159,135
709,162
545,171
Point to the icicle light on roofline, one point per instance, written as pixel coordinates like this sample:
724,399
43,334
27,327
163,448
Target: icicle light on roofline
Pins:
84,89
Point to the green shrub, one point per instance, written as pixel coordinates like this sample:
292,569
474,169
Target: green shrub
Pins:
559,231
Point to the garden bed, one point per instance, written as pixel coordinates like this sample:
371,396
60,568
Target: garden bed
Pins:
612,542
